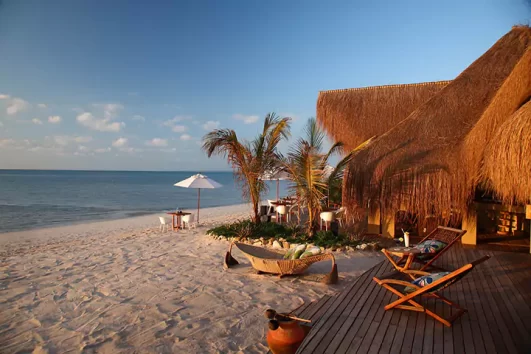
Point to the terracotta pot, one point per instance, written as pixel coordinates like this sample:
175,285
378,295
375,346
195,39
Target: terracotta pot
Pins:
286,339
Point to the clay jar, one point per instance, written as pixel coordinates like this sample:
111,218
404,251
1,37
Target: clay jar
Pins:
287,338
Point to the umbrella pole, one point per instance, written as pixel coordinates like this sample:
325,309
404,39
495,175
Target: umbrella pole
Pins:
198,202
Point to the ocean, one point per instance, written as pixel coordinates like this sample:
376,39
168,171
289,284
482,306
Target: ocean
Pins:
31,199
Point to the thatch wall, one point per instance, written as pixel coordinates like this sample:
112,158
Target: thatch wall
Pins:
506,166
418,164
357,114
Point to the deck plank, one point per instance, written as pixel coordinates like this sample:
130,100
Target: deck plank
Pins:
337,311
497,294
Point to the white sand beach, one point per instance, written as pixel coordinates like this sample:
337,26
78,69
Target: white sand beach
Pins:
123,286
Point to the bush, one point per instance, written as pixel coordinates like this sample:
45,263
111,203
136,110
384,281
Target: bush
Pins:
248,229
328,239
241,229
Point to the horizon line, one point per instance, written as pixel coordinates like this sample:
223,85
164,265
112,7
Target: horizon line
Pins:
98,170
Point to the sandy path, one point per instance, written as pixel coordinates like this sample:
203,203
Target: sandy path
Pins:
122,286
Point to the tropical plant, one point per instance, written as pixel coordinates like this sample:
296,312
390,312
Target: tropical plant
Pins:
306,164
250,160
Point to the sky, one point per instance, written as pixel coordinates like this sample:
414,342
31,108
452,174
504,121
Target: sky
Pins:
135,85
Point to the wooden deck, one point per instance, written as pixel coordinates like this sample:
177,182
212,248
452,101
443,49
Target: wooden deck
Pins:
497,294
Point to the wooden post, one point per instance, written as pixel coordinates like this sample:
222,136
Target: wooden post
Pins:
470,224
373,222
388,224
278,183
528,216
198,202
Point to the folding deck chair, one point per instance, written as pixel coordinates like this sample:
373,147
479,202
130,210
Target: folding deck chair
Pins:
427,285
447,235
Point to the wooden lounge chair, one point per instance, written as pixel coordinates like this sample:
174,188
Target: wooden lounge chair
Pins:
411,290
447,235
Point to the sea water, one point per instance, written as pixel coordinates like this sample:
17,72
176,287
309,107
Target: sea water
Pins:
33,199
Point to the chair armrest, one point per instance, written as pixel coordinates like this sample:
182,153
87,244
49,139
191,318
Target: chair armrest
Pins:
396,282
416,272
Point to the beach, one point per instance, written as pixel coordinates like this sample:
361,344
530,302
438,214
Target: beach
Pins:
125,286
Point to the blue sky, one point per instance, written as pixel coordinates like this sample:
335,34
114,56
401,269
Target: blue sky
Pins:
135,84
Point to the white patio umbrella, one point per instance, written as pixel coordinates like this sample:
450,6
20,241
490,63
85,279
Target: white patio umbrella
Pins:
198,181
276,176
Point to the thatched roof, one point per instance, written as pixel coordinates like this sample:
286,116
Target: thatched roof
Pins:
424,163
506,166
357,114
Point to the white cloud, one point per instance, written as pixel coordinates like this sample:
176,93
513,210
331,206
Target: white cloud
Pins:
185,137
179,128
294,117
36,121
246,119
211,125
173,124
54,119
104,125
6,142
82,148
110,110
15,105
120,142
102,150
4,97
42,105
64,140
16,144
130,150
83,139
157,142
139,118
168,150
1,124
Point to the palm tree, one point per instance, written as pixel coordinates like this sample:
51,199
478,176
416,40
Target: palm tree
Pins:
306,165
250,160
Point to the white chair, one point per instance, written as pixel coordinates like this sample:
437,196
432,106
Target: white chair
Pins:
163,224
327,217
188,220
340,215
282,210
271,206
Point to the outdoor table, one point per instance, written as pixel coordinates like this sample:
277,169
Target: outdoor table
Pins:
176,219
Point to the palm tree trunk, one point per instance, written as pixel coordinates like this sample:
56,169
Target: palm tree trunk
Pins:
254,200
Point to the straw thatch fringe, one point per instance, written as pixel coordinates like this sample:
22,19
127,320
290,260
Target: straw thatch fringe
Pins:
418,164
510,97
354,115
507,163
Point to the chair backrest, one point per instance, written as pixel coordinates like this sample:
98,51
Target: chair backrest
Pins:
340,212
188,218
447,235
455,276
162,220
327,216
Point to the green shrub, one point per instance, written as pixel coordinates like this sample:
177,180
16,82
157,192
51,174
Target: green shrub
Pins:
248,229
291,233
328,239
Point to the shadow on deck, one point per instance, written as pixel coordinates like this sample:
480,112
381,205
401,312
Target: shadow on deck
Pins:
497,295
